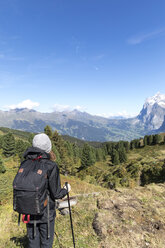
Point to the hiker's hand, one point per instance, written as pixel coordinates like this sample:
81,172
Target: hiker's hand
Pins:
69,187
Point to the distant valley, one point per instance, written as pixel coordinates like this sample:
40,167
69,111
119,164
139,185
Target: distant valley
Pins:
85,126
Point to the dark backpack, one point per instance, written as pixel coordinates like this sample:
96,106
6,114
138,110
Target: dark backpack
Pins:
30,189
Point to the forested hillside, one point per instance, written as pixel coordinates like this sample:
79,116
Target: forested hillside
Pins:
108,164
104,168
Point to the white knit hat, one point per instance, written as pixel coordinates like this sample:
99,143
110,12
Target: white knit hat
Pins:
43,142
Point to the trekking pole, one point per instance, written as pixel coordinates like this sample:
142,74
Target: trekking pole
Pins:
66,184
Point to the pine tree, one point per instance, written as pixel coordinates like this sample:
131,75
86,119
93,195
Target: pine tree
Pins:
150,140
30,139
145,140
122,155
132,144
8,145
2,167
99,154
20,147
105,149
76,152
69,148
115,157
57,139
119,145
64,160
48,131
1,141
109,147
93,154
156,139
55,151
76,158
137,143
87,156
127,146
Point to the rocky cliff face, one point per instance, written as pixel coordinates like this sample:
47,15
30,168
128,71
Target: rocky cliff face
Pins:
153,112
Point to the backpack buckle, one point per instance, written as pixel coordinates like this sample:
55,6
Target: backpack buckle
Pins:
26,221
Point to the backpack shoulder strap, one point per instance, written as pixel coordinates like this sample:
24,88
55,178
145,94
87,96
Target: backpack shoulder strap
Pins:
48,214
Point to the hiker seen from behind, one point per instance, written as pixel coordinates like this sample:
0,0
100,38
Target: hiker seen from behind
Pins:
36,186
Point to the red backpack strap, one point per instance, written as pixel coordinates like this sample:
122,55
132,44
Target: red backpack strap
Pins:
38,158
26,221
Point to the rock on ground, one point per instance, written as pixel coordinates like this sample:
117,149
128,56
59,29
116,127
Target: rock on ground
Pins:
131,218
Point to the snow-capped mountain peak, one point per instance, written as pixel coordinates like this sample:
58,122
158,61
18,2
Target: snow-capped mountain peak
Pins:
153,113
158,99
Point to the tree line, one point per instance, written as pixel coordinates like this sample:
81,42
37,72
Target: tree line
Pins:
70,157
77,160
153,139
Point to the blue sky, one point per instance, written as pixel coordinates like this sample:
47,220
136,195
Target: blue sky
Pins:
102,56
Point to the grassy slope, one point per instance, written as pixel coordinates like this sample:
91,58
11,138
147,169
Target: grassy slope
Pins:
149,153
132,218
86,209
83,213
17,133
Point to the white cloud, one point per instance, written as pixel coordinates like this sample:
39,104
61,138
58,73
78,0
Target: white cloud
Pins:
118,114
145,36
24,104
80,108
60,108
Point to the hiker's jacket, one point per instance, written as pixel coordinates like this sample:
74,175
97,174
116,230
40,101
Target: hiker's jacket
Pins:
54,184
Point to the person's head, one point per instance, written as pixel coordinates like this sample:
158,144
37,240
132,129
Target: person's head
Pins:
42,142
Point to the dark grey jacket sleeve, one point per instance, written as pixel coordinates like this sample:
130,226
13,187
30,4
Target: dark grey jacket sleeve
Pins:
56,191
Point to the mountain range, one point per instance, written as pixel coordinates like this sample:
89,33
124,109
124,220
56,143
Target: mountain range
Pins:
85,126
